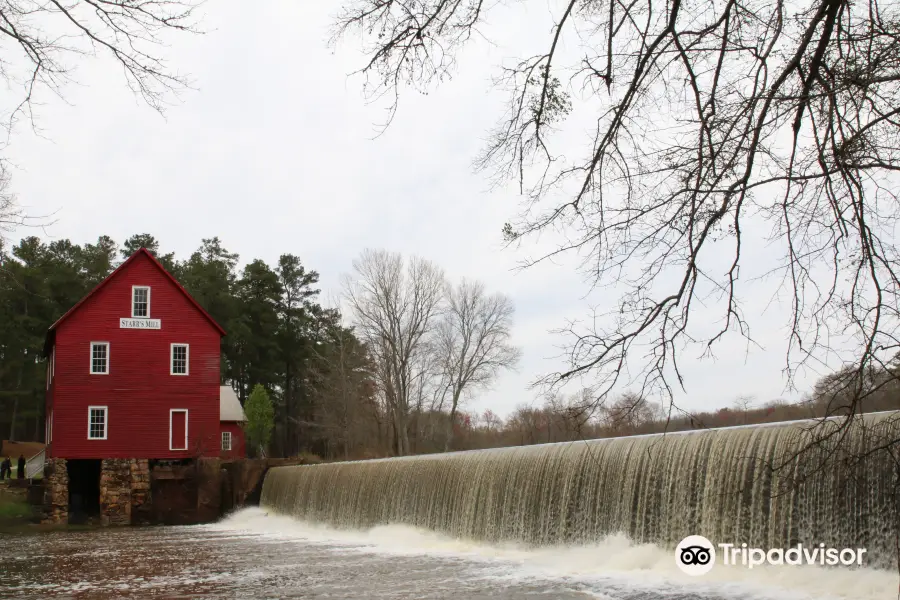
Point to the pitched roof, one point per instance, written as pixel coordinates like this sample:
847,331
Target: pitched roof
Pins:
139,252
229,405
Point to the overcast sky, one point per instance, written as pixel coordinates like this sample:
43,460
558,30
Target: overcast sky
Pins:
274,154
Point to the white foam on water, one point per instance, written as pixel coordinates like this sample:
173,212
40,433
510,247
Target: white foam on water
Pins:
613,560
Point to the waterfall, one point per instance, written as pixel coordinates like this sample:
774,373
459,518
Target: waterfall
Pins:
733,485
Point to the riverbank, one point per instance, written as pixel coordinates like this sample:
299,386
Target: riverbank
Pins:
15,512
18,516
14,503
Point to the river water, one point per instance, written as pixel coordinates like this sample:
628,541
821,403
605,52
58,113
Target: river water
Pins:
254,554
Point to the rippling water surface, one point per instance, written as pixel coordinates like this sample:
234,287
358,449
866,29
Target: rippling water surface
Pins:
253,554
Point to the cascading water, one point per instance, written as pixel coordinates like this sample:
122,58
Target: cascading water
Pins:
737,485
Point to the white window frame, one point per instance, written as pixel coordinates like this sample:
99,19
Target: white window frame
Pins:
51,365
134,288
105,410
226,435
91,364
187,359
172,412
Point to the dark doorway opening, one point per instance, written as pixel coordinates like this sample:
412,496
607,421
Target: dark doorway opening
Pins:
84,490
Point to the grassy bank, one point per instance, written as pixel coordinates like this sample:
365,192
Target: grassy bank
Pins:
15,512
11,509
17,516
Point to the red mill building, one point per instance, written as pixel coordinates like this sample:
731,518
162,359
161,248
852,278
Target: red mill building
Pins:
133,379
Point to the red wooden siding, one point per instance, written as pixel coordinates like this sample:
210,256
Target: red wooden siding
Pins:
238,448
139,389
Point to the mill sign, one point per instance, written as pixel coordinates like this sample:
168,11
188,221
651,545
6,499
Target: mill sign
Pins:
125,323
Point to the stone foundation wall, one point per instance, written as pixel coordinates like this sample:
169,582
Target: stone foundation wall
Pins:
132,493
115,491
56,492
141,497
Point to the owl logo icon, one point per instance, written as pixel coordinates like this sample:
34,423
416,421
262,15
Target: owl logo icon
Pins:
695,555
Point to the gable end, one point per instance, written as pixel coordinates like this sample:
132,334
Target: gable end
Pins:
48,343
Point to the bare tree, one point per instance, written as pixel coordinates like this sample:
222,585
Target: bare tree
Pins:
472,342
630,412
720,125
491,421
44,37
346,418
11,214
395,303
743,404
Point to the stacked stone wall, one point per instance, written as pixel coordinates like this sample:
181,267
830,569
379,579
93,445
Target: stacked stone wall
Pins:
115,491
56,492
141,501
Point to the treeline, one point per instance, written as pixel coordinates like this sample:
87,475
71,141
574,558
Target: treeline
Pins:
579,417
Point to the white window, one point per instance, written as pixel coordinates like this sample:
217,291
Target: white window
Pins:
97,422
226,440
179,359
140,302
99,358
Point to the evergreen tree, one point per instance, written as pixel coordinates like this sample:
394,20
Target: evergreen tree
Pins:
260,420
209,276
258,292
145,240
295,313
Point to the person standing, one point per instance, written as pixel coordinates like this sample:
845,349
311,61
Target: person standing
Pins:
7,462
3,469
21,467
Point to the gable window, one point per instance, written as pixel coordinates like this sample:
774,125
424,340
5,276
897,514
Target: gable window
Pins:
226,440
179,359
140,302
97,422
99,358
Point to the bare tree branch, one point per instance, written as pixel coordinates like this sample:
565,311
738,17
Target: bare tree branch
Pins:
44,37
721,125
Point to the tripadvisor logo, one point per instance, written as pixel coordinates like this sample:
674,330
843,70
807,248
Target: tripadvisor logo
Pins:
696,555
